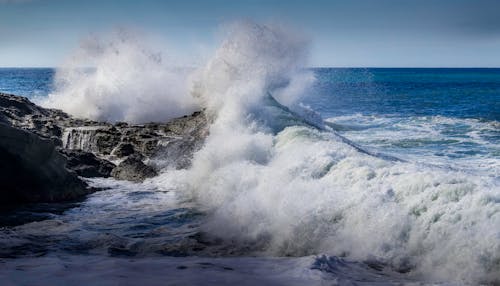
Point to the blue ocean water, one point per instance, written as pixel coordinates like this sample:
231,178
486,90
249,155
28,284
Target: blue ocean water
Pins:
451,92
444,116
29,82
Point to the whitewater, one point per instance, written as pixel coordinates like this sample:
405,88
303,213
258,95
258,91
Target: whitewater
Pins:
276,195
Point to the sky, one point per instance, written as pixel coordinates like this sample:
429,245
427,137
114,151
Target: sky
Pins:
343,33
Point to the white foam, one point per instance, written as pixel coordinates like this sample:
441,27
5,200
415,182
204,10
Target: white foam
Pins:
465,144
129,81
302,191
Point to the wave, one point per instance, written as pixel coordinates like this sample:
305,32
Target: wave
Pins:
270,177
274,177
472,145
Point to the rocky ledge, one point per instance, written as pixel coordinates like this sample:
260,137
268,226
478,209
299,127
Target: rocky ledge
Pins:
46,152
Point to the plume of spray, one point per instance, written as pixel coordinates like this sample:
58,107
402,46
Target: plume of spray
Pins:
121,79
252,61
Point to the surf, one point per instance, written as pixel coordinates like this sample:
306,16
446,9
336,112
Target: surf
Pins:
268,177
274,179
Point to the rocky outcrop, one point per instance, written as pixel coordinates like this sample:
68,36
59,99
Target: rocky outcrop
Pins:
123,150
151,140
162,144
91,146
133,169
19,112
32,170
86,164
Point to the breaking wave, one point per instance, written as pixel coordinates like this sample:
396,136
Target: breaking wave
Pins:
273,176
293,187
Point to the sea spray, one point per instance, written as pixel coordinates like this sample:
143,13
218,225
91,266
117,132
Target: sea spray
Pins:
252,61
299,190
120,77
276,184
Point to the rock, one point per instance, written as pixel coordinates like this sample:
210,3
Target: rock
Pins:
86,164
19,112
99,140
33,171
133,169
163,144
123,150
176,153
150,140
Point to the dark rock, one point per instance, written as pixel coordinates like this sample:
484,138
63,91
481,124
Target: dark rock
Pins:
19,112
150,140
121,124
123,150
164,144
86,164
176,153
33,171
133,169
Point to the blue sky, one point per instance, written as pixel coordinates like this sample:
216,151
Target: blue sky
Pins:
374,33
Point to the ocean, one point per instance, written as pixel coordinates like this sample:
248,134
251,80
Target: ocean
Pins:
393,178
445,116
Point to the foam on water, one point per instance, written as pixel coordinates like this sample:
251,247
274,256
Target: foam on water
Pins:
472,145
278,182
300,190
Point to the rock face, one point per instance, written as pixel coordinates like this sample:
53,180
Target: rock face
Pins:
123,150
19,112
86,164
133,169
31,169
86,147
157,141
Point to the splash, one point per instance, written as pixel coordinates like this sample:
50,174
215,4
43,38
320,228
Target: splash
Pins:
290,188
128,81
253,60
273,179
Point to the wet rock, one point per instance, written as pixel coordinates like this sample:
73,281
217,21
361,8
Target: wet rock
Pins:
33,171
158,141
163,144
86,164
19,112
123,150
133,169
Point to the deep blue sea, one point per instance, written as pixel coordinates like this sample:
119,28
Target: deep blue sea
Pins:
301,205
27,82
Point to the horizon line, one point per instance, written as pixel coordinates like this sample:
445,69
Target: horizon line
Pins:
310,67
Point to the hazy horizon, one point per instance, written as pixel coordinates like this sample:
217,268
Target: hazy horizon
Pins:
308,67
359,33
